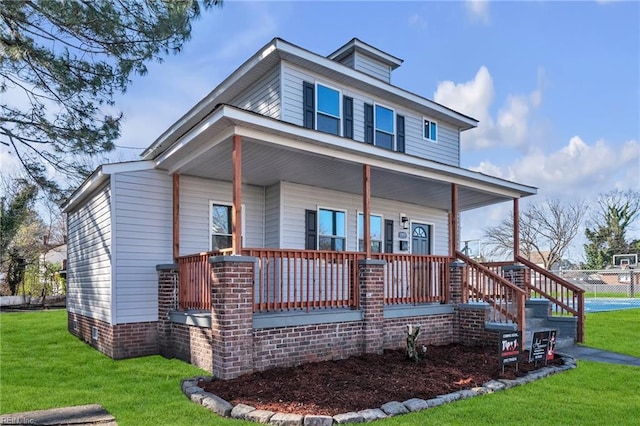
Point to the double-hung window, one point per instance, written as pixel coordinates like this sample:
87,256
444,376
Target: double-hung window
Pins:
375,231
220,226
328,110
384,127
429,130
331,230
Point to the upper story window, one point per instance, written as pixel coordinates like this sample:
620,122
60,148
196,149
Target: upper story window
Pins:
384,127
328,110
430,130
325,110
375,231
332,233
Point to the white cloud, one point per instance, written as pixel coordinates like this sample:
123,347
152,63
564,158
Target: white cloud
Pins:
576,169
478,10
475,98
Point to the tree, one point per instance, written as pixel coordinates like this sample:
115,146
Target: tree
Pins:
546,231
14,212
606,233
63,61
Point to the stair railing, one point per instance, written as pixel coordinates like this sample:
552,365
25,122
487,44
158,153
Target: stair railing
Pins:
567,298
481,284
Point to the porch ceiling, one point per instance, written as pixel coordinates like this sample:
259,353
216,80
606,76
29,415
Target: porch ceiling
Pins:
270,155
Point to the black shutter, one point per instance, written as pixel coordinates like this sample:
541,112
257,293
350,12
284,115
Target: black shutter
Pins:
388,236
311,235
347,106
368,123
400,130
309,104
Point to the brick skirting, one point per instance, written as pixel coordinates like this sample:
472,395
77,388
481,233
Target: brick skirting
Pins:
118,341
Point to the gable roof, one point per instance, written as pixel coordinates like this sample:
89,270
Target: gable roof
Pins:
278,50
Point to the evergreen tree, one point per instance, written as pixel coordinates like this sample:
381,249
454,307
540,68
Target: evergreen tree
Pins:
607,233
63,61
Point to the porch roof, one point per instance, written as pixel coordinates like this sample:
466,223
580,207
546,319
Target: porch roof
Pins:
275,151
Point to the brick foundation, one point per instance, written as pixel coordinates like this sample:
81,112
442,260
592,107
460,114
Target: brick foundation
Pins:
290,346
192,344
118,341
434,330
371,275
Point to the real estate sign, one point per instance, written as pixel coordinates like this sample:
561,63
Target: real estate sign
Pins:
543,346
510,348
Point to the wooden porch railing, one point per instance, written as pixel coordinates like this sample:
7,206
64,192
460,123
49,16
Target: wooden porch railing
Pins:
414,279
304,279
194,285
482,284
566,298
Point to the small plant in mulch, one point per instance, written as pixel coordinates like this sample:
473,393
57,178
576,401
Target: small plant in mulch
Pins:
412,343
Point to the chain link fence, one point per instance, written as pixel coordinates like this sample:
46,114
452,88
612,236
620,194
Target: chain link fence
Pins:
608,288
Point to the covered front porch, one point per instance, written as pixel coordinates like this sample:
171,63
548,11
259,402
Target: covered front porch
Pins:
291,281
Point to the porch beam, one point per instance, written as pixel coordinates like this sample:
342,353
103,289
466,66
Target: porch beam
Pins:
176,216
516,228
236,209
453,221
366,209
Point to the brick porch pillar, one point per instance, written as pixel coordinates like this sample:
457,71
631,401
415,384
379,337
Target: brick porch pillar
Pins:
371,276
167,302
232,315
456,275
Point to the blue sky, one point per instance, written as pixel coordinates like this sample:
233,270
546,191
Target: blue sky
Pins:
555,85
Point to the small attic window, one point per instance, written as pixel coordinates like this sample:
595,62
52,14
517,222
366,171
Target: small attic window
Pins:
430,130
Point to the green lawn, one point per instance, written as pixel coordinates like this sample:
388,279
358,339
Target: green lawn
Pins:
617,331
43,366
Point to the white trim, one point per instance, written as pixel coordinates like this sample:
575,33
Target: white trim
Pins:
99,176
431,122
340,107
346,225
113,251
382,240
393,124
359,152
220,137
228,204
431,233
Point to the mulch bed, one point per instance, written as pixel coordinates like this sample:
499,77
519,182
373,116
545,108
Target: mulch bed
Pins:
367,381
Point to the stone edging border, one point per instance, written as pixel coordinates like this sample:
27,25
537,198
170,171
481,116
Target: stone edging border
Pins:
392,408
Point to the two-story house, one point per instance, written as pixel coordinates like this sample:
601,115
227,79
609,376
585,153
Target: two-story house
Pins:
296,172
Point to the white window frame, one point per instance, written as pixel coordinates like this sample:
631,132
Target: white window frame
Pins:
381,216
230,205
393,124
346,224
317,110
431,123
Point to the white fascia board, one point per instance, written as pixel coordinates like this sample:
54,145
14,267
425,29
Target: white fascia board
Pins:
197,153
283,46
359,152
99,176
267,50
191,135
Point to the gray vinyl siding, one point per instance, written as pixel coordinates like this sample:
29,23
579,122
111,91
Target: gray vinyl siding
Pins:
298,198
262,97
445,151
348,61
195,197
272,216
372,67
89,257
447,148
143,230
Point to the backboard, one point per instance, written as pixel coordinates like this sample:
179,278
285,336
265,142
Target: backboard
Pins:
625,260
